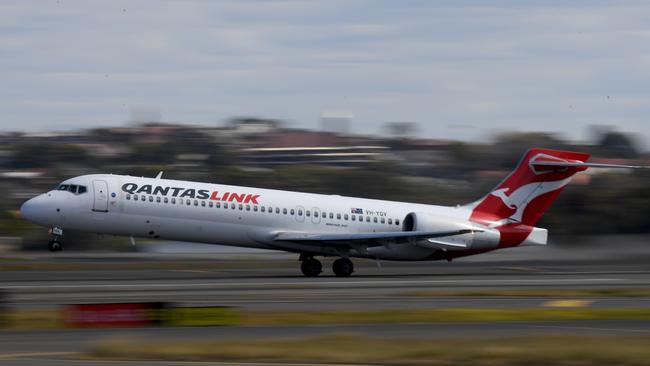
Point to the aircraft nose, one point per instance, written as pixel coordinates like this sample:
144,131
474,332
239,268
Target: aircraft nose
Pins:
37,209
27,209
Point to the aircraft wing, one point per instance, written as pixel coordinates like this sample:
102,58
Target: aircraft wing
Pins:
369,239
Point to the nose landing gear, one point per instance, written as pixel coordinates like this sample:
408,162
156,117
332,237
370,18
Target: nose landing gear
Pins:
54,245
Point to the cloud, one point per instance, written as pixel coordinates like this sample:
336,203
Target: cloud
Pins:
503,64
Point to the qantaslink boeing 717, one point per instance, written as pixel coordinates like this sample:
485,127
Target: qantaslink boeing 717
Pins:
311,225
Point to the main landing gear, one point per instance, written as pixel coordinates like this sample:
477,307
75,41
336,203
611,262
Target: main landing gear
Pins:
343,267
312,267
54,244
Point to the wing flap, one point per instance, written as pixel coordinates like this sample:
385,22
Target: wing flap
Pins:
370,238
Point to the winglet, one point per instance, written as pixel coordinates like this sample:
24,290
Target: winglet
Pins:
160,173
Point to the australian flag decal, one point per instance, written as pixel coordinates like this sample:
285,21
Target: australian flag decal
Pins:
357,211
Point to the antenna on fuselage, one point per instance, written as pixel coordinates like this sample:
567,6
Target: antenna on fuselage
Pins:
159,175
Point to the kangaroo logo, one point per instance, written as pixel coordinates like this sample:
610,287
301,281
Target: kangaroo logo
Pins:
519,199
501,193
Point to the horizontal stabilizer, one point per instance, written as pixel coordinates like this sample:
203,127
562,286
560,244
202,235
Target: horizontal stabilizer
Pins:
580,164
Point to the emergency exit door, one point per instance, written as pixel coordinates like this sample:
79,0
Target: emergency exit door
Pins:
100,189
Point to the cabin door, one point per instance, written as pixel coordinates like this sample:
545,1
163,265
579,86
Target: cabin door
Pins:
100,190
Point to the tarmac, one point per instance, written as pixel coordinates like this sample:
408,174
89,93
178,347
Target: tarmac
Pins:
272,282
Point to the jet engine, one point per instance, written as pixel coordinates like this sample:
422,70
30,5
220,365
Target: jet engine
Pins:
473,236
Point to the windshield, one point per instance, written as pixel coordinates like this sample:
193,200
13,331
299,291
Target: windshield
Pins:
72,188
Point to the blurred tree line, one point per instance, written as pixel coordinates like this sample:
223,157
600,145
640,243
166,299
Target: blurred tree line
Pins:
611,202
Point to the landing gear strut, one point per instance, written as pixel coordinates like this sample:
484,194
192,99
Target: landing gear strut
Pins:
54,244
311,267
343,267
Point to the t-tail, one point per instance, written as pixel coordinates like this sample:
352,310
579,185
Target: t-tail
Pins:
517,203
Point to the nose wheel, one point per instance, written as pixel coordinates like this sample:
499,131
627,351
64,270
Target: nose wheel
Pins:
343,267
54,244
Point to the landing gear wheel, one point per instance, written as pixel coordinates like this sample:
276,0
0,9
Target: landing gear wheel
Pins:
54,246
311,267
343,267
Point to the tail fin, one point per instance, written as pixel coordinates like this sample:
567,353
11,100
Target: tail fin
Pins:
524,196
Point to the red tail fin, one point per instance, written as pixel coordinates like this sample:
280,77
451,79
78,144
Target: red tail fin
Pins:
530,189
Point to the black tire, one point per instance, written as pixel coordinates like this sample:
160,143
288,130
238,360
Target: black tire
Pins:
54,246
311,267
343,267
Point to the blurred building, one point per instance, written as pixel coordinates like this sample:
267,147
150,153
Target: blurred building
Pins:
336,123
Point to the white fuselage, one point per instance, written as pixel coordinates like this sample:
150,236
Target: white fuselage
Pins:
232,215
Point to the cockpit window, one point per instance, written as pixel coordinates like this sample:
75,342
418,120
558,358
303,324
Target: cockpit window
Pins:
72,188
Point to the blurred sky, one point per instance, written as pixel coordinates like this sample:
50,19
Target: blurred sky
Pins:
460,68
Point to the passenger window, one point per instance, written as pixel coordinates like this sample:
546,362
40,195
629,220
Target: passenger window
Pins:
396,222
150,198
323,215
248,207
135,197
383,220
158,199
241,207
299,212
128,197
263,208
277,210
217,205
331,215
210,204
345,216
374,219
232,206
81,189
174,201
354,218
338,216
284,211
255,208
367,218
188,202
166,200
202,203
390,221
315,213
307,213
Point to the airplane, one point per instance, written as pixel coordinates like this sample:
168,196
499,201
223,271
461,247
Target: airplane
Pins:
312,225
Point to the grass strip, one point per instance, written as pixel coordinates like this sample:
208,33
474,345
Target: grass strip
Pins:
595,292
442,316
53,319
361,349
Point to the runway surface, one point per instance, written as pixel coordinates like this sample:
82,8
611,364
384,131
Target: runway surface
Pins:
272,282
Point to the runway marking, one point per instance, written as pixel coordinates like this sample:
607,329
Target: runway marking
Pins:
227,363
567,303
10,356
313,283
591,328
